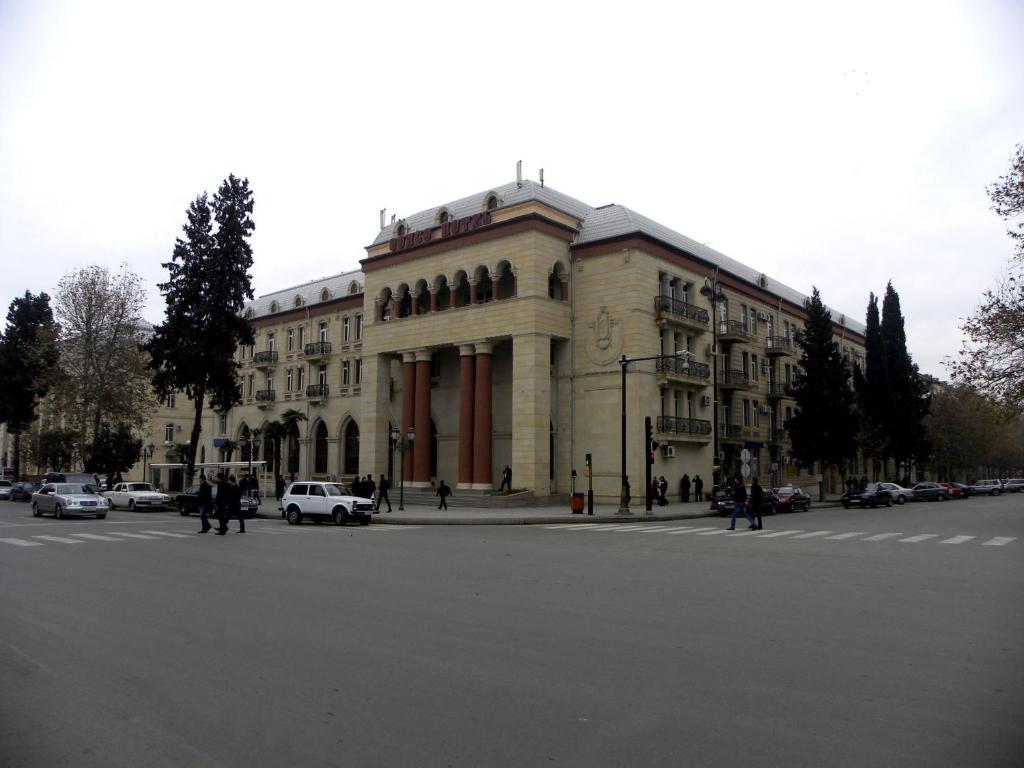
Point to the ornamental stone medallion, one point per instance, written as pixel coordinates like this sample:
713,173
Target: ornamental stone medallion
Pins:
605,339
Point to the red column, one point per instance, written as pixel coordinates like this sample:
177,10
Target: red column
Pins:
472,291
433,301
421,420
482,418
408,404
467,377
415,307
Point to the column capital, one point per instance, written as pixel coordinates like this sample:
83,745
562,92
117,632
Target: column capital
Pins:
467,350
423,355
408,357
484,347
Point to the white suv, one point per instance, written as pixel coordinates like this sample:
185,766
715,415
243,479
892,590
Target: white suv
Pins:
324,501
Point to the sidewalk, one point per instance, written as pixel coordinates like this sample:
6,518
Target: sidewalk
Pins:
603,513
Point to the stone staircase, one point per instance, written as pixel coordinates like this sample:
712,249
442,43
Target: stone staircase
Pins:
424,497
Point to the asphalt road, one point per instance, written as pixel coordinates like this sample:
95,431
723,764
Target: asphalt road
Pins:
840,638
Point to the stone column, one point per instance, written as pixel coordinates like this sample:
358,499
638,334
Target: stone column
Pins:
467,395
421,421
482,427
433,301
472,291
414,307
408,403
531,413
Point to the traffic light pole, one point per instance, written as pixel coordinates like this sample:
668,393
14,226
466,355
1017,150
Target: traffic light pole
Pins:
648,462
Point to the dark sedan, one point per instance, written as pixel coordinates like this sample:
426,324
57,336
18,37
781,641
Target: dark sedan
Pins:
188,503
792,499
931,492
23,491
871,495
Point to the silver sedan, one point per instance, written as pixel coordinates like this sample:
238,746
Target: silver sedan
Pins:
62,499
898,493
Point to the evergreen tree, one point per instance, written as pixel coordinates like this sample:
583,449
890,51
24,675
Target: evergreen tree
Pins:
112,451
208,282
823,426
871,386
908,396
28,357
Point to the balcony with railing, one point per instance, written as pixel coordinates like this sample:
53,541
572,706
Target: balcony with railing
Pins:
317,349
776,435
317,393
265,397
682,369
777,390
667,308
776,346
683,428
734,379
733,330
731,432
265,359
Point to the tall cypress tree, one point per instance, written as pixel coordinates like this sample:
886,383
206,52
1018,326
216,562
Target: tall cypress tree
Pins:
872,388
823,427
208,282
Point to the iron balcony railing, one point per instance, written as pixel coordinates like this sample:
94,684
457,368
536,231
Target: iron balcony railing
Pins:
318,390
267,356
733,328
730,430
734,378
678,425
779,345
682,366
680,309
777,389
264,395
317,348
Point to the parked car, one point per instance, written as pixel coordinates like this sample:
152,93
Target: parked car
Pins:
955,491
931,492
324,501
82,478
792,499
1013,485
137,496
23,491
871,495
965,490
722,502
991,487
898,493
5,489
63,499
188,502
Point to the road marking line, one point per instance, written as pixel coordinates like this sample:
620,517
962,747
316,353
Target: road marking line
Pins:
812,534
133,535
957,540
848,535
882,536
95,537
384,528
581,526
559,527
59,539
682,529
168,533
21,542
919,538
657,529
733,535
607,527
691,530
777,534
713,532
999,541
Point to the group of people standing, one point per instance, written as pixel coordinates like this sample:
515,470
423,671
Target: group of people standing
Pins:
659,489
227,503
365,488
749,505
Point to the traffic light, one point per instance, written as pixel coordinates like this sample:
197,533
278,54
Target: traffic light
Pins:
588,459
652,444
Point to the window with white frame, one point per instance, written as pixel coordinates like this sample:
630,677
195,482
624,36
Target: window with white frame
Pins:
753,367
344,373
345,328
746,413
169,400
288,380
290,335
322,376
223,427
323,330
301,379
168,433
302,337
270,342
359,370
755,419
359,327
252,383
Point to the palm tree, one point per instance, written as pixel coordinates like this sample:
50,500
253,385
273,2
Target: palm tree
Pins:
273,432
290,422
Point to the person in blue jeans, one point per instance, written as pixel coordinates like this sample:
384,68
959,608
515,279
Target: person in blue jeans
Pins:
739,504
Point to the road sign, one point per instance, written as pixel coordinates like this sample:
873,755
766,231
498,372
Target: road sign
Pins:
745,456
745,470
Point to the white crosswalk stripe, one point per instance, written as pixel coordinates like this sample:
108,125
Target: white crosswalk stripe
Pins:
844,536
777,534
713,532
21,542
1000,541
957,539
657,529
95,537
882,536
626,527
919,538
133,535
691,530
60,539
168,533
812,534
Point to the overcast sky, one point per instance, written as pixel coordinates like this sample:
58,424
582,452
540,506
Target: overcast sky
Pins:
836,145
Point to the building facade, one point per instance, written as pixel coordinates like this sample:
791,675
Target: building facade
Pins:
491,331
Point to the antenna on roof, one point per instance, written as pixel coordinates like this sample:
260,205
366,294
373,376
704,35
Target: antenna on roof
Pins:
383,212
519,173
542,177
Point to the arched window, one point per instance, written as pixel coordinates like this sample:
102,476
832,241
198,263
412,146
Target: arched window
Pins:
444,294
298,301
320,449
351,465
353,287
505,287
460,290
492,203
274,306
443,217
400,229
325,295
484,286
248,313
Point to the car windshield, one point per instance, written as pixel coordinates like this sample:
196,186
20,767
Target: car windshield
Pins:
335,490
786,491
140,487
872,487
5,483
70,489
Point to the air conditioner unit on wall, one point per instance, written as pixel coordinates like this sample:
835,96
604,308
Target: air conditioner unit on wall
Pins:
668,451
709,350
705,400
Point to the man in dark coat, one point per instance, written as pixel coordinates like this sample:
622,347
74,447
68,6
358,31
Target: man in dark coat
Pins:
204,502
444,492
235,504
756,499
684,486
506,479
739,504
383,496
221,503
698,488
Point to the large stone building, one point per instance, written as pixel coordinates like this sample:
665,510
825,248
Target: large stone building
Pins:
491,330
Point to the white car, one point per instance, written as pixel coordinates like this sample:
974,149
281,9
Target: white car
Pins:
61,499
137,496
321,501
898,493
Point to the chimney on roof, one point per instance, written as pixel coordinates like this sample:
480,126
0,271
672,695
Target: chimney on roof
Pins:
383,212
393,217
542,177
519,173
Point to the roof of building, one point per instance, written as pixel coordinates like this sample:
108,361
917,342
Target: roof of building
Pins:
336,286
603,223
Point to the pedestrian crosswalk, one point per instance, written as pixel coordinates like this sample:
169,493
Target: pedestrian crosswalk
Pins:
110,537
791,534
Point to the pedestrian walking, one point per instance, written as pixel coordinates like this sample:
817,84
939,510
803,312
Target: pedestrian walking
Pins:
739,504
235,504
204,502
506,479
626,494
698,488
279,487
221,502
444,492
684,485
662,491
370,488
756,500
384,487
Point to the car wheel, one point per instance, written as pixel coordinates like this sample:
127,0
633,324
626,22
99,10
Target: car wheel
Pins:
35,510
131,505
995,492
340,516
58,512
901,499
294,516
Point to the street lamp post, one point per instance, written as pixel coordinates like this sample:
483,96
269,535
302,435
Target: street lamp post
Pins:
713,291
254,444
147,453
403,444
